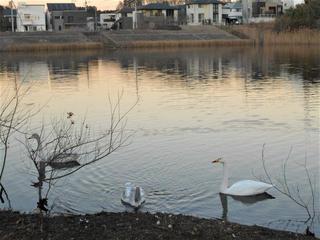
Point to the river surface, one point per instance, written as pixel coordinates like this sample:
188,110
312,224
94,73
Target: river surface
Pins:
194,105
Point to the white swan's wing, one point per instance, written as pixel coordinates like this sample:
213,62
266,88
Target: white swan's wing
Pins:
248,188
127,193
128,196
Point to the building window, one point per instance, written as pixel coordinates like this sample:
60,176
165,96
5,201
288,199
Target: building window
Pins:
215,17
70,19
27,16
56,17
199,5
192,17
215,8
200,17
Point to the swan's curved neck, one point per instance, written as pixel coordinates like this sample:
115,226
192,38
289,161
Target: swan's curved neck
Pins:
224,184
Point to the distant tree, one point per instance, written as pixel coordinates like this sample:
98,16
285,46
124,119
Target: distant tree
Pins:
120,5
129,3
92,11
302,16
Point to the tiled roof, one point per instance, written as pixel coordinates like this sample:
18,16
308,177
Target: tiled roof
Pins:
236,5
125,10
61,6
7,12
203,2
157,6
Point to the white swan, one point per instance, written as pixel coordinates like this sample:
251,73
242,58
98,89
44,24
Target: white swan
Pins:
241,188
133,196
60,160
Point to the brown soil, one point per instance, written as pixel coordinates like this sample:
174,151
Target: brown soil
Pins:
14,225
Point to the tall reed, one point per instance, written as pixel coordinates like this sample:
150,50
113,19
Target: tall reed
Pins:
35,47
186,43
264,34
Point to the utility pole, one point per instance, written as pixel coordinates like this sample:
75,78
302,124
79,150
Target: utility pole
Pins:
135,17
135,12
12,19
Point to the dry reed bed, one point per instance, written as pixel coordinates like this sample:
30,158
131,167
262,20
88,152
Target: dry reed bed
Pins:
186,43
35,47
263,33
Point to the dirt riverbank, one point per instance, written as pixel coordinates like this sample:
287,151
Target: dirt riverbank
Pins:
14,225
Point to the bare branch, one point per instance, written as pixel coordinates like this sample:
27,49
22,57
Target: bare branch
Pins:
292,191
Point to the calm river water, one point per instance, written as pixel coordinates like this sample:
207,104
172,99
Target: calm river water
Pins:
194,105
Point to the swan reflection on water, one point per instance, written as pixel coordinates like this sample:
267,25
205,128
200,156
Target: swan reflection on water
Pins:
246,200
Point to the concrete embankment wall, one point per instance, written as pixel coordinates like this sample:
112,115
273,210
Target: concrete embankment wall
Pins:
34,41
196,36
188,36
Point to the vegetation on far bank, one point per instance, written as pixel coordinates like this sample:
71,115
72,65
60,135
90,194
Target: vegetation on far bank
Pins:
302,16
298,26
264,34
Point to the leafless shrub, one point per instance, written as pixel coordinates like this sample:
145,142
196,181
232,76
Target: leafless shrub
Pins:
293,191
13,117
67,146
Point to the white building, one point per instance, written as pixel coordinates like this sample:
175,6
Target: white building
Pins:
201,12
31,17
107,20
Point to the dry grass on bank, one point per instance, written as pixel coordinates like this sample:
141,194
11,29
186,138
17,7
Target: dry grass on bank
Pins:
36,47
264,34
187,43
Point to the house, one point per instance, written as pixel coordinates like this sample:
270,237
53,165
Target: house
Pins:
124,12
261,10
201,12
267,8
156,16
124,18
6,17
182,14
107,20
66,16
159,10
232,13
31,17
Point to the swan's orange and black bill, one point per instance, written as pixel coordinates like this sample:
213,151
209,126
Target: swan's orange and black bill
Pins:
217,160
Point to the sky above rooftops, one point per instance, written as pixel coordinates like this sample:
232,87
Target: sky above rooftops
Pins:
101,4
